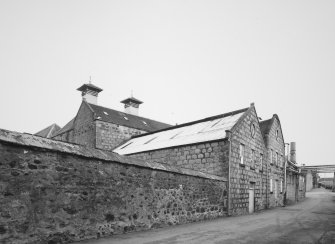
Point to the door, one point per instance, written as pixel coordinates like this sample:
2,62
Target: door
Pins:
252,198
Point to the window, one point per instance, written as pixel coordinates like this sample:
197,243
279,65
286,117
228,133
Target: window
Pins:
242,153
281,186
252,130
282,161
126,145
150,140
277,159
271,185
261,161
253,158
277,134
271,156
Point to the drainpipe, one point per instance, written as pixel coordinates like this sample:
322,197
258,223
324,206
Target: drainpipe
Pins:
228,134
285,166
267,171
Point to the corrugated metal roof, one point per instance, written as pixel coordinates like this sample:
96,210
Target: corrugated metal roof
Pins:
209,130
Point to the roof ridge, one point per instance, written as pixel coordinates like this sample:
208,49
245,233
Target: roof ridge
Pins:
195,122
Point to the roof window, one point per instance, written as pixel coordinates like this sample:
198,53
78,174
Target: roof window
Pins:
150,140
145,123
176,135
106,113
125,118
126,145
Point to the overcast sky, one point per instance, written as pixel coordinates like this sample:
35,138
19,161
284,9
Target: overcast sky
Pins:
185,59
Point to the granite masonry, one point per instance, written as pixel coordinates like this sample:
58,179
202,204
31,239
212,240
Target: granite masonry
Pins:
56,192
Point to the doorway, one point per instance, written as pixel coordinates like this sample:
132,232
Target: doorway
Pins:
251,197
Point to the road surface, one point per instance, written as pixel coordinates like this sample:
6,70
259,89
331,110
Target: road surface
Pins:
309,221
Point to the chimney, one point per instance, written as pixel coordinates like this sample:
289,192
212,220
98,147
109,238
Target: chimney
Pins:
89,93
131,105
293,153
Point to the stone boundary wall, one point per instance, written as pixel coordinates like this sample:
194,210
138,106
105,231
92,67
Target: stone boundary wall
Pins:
55,192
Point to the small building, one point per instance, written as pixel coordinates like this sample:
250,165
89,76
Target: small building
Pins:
295,178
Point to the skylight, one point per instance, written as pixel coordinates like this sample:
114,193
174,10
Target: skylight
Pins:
126,145
150,140
145,123
105,113
176,135
125,118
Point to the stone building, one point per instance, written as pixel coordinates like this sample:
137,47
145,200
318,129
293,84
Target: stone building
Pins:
295,178
228,145
275,155
248,153
104,128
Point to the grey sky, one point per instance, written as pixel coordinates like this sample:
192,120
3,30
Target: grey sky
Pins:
185,59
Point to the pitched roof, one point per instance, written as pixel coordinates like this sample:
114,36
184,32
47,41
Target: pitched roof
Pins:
49,131
129,120
209,129
131,99
67,127
90,86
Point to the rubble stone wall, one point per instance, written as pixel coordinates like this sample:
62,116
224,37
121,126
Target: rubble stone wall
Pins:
49,196
209,157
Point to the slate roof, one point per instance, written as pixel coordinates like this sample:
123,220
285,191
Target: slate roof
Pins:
129,120
209,129
119,118
49,131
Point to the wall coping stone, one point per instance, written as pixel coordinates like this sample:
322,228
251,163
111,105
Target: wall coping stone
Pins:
28,140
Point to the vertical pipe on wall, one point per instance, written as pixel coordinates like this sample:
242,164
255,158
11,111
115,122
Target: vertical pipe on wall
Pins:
228,135
285,173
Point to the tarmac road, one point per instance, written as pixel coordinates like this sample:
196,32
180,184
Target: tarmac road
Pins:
309,221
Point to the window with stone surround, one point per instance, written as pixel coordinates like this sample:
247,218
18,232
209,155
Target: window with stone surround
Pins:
253,159
277,159
261,161
271,185
271,156
281,186
242,154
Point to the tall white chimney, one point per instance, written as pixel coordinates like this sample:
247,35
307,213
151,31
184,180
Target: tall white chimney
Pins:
89,93
293,156
131,105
